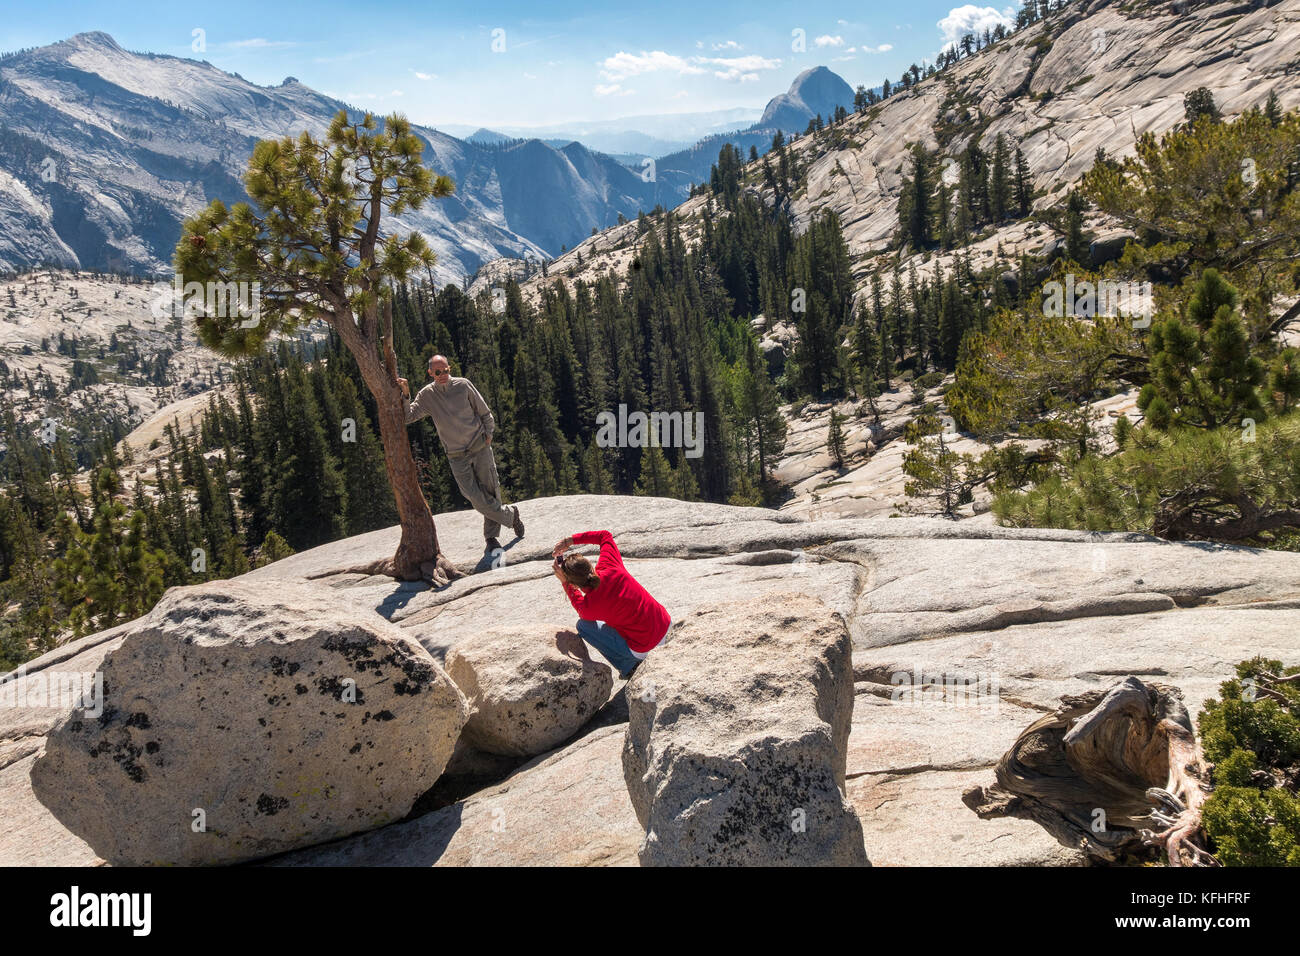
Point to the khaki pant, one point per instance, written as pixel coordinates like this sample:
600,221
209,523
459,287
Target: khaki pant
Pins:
476,474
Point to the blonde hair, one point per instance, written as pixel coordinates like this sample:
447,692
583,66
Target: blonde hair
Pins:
578,571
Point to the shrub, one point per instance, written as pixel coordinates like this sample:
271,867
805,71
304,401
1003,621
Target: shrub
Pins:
1225,484
1253,738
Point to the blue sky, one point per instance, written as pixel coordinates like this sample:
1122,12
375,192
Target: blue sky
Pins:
524,64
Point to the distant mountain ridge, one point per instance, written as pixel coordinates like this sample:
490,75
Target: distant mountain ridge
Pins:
104,152
815,92
652,135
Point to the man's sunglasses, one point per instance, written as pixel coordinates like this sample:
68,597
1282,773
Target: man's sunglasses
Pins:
439,371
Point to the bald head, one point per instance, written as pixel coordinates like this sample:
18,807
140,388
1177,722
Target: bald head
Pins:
439,368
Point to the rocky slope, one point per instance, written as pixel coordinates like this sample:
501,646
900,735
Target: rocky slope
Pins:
149,368
961,636
1098,73
871,482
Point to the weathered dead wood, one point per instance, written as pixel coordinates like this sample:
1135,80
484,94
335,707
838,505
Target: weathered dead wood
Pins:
1090,772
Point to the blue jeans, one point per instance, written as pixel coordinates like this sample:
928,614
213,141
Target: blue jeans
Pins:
611,645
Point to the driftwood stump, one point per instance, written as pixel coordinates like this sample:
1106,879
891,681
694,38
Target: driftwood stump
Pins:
1090,773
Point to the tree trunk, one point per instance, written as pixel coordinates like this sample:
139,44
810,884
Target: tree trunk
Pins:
419,544
418,555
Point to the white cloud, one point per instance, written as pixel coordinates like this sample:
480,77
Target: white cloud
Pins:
727,45
740,69
530,76
972,19
613,89
827,40
622,65
680,94
884,48
733,69
424,76
742,62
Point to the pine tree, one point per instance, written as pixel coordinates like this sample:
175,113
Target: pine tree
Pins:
1284,380
143,569
273,549
307,492
107,574
1198,104
886,356
1023,186
758,410
1000,181
1273,109
744,493
656,477
1188,192
937,475
943,225
916,324
866,353
595,474
369,499
917,196
1076,246
835,443
1202,373
685,488
897,319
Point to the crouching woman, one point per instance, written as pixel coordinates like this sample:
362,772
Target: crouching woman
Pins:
616,615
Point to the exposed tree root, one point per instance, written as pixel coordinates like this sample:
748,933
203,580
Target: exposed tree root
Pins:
439,572
1089,772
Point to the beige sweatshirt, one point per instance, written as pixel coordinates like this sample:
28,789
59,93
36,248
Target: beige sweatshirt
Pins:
462,418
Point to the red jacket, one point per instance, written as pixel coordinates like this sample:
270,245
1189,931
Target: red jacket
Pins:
619,600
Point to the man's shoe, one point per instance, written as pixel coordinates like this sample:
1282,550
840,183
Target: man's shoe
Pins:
519,524
492,544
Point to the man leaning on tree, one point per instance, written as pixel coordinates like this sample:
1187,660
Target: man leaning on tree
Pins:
465,427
